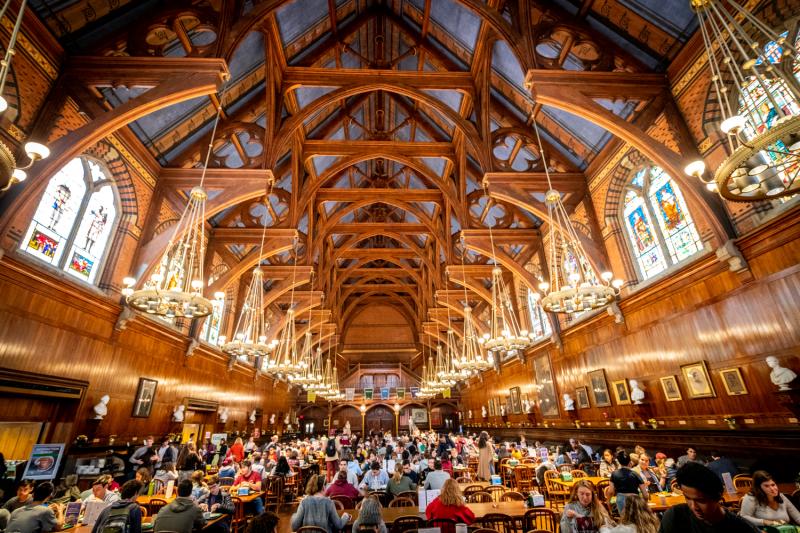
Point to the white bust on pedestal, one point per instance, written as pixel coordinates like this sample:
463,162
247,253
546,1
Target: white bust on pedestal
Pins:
272,419
483,411
569,403
253,416
101,409
223,415
178,413
780,376
637,394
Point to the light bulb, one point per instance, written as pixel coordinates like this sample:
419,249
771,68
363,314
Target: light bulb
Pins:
695,168
711,186
733,124
18,175
129,281
3,104
127,291
36,150
221,339
219,295
543,286
606,276
617,283
197,284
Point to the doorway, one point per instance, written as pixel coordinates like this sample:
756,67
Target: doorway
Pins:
17,439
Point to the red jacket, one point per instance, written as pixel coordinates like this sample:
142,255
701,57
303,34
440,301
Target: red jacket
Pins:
237,451
342,488
462,514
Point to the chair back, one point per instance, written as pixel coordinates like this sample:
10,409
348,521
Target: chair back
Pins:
367,529
472,489
409,494
743,484
479,497
463,480
311,529
143,510
407,523
578,474
226,481
601,488
155,505
496,491
346,502
540,518
273,490
402,502
523,477
445,525
512,496
498,521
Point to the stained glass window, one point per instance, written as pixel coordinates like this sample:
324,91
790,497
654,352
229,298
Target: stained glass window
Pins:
661,232
540,324
74,221
212,325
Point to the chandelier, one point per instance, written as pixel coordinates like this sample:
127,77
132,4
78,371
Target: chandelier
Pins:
764,137
575,287
250,336
451,373
10,173
505,333
287,359
175,289
473,357
306,376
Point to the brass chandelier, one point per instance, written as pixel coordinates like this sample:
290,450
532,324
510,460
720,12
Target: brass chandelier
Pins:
473,357
764,136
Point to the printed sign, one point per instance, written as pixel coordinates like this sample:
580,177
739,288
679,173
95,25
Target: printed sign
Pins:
44,461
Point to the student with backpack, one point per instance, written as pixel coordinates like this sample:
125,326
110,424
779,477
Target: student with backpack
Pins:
331,458
124,515
181,515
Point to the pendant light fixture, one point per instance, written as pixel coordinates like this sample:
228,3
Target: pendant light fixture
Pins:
175,289
764,137
287,361
250,335
574,284
473,357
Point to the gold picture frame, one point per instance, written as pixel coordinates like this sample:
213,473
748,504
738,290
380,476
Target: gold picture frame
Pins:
733,381
672,392
698,380
582,395
621,392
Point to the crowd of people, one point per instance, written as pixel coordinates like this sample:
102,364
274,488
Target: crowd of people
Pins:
359,469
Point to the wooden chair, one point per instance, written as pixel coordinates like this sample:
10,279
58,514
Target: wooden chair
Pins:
155,505
505,473
445,525
402,502
795,497
338,505
143,510
578,474
512,496
273,492
226,481
311,529
367,529
409,494
481,530
496,491
601,489
463,480
557,494
479,497
523,478
472,489
407,523
498,522
540,518
345,501
743,484
238,520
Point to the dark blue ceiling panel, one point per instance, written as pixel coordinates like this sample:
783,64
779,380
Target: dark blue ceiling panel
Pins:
248,55
295,17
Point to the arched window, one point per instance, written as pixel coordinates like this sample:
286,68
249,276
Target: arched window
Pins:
212,325
540,324
75,218
660,228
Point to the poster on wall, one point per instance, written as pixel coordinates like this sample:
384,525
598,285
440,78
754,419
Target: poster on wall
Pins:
43,462
217,437
419,416
414,391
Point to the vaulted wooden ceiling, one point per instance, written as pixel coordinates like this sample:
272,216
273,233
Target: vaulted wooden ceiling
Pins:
379,120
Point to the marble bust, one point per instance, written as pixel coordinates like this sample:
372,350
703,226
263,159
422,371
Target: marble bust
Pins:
780,376
526,405
272,418
637,394
469,414
569,403
253,416
502,410
101,409
223,415
178,413
483,411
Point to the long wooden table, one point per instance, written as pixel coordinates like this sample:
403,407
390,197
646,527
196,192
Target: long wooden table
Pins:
514,509
570,484
672,499
83,528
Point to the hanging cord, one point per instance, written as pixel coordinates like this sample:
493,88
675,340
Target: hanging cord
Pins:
213,134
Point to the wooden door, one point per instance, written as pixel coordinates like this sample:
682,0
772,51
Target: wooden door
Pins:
17,439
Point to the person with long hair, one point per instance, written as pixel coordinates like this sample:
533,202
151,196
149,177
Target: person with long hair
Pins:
636,517
485,456
282,467
318,510
237,450
370,516
608,464
765,505
584,513
189,461
266,522
450,504
400,482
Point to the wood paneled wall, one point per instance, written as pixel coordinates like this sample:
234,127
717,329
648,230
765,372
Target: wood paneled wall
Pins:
705,312
48,325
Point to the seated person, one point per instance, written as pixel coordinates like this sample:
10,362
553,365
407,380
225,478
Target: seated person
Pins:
435,480
37,516
124,512
281,467
166,473
317,510
24,497
409,472
199,487
68,489
248,479
375,479
218,501
450,504
702,511
228,468
352,478
100,492
263,523
369,516
342,487
181,515
765,505
400,482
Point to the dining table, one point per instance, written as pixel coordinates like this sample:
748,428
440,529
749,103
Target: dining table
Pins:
515,509
671,499
569,484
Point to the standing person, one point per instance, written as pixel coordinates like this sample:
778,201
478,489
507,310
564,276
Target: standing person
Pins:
317,510
237,450
37,516
624,481
636,517
485,456
370,516
765,505
702,512
144,456
166,453
250,447
123,515
181,515
450,504
331,458
189,461
584,513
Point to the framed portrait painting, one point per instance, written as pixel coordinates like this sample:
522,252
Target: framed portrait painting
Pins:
669,384
145,396
621,393
698,381
582,395
733,382
515,395
602,398
547,390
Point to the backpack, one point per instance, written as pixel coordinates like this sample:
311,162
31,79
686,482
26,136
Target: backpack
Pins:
330,448
118,520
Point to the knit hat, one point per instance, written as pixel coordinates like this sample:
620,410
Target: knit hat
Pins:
370,513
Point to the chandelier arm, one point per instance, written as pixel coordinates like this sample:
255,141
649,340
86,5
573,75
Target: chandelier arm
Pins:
755,22
11,43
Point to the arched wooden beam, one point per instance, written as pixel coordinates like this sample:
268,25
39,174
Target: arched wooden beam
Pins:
274,245
300,278
302,307
447,188
354,303
455,275
173,89
349,312
347,290
285,134
477,243
348,272
349,245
